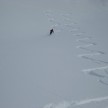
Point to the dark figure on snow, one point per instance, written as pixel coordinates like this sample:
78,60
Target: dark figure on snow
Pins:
51,31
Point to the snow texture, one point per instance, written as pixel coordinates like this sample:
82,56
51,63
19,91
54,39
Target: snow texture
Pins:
68,69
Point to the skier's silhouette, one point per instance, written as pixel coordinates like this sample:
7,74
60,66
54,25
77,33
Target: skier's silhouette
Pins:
51,31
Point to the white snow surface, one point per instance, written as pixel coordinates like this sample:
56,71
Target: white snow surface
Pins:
68,69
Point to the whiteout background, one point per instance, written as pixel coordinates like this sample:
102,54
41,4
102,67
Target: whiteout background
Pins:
38,70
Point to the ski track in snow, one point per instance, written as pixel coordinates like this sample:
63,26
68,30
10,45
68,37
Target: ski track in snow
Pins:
66,23
101,72
75,104
89,56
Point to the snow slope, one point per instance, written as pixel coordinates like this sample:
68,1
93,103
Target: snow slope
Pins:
68,69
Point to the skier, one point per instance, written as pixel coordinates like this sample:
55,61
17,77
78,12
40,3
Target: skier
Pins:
51,31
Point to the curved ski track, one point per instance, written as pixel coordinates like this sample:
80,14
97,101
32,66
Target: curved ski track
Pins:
100,72
86,41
